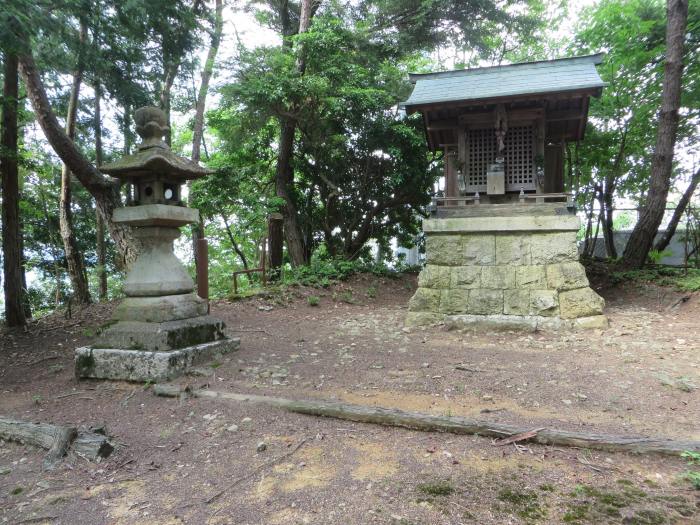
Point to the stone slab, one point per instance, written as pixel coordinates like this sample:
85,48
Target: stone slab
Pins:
144,365
494,224
527,323
169,335
156,215
583,302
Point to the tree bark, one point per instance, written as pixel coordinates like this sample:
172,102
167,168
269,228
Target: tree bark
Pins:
234,244
207,72
454,424
104,190
198,130
665,239
11,232
275,240
606,206
74,258
284,174
284,181
99,221
642,236
170,74
57,439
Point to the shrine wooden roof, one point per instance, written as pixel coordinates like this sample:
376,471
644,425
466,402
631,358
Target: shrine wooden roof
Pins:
509,82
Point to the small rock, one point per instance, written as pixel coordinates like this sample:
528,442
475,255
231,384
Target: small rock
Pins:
232,428
566,401
209,417
262,447
487,397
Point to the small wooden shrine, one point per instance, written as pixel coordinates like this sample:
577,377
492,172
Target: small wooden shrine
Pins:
503,129
501,241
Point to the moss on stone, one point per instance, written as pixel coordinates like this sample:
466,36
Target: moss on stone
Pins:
84,364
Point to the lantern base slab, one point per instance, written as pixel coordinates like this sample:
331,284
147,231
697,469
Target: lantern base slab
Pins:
145,365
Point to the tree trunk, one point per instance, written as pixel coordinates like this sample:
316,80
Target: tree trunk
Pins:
284,175
234,244
606,206
170,74
642,237
99,221
198,130
284,181
395,417
275,239
11,233
207,72
665,239
74,259
104,190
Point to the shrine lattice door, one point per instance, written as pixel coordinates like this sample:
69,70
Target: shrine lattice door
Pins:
519,158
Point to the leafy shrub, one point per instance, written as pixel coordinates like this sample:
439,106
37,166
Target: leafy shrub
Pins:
321,272
655,256
693,475
663,275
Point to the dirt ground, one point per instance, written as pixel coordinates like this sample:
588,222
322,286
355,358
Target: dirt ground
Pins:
197,461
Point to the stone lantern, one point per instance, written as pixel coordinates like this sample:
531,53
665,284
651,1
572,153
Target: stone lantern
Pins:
162,327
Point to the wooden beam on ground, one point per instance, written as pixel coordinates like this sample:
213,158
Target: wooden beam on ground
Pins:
57,439
451,424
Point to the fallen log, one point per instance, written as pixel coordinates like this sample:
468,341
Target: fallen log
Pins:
57,439
451,424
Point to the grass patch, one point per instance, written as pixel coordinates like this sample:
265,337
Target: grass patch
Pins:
524,503
313,300
17,491
597,505
439,488
344,297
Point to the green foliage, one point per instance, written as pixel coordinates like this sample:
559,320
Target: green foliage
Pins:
693,460
524,503
674,277
438,488
361,169
313,300
655,256
616,154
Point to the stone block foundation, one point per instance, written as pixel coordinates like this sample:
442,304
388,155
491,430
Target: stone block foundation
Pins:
505,273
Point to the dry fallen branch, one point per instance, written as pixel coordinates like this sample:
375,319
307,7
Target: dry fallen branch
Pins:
57,439
452,424
523,436
255,472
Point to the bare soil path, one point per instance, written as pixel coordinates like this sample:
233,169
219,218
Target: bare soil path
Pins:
200,461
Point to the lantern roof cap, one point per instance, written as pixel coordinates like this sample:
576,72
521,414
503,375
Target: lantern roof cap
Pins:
153,156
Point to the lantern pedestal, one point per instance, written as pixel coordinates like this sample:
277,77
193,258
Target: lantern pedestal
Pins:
161,328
